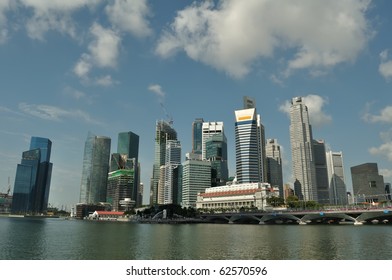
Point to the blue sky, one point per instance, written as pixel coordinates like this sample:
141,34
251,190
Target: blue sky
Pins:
69,67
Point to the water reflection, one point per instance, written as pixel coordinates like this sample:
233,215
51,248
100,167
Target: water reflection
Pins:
57,239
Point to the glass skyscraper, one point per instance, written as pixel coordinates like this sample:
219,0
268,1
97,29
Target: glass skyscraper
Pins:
337,185
95,171
274,165
216,153
302,154
197,132
163,132
32,180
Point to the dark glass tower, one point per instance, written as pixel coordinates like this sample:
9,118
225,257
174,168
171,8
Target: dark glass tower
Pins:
197,133
216,153
32,180
93,185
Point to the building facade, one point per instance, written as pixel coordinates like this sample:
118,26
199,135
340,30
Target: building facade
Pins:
196,177
320,162
236,196
337,185
32,180
216,153
93,187
197,136
172,161
368,184
247,147
163,132
274,165
301,140
209,129
120,189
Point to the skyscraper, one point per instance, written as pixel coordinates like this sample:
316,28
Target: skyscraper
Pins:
172,161
196,178
209,129
197,132
32,180
247,147
163,132
95,171
337,185
320,163
128,144
274,165
301,139
216,153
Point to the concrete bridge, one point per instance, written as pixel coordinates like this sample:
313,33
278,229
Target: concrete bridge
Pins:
344,216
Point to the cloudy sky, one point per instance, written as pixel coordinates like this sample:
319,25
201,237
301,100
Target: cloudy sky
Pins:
69,67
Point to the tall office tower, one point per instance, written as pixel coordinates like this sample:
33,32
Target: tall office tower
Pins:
301,139
172,161
140,194
216,153
320,162
247,147
388,191
197,140
274,165
32,180
128,144
95,171
209,129
337,185
368,184
164,132
196,178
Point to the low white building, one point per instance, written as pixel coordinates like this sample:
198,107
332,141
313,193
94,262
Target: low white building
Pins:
236,196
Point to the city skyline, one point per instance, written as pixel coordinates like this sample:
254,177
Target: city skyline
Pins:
107,67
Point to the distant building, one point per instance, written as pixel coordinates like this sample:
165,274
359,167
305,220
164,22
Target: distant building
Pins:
320,162
120,187
196,177
302,154
237,196
249,147
368,184
93,186
163,133
209,129
197,136
337,185
216,154
288,191
274,165
32,180
388,191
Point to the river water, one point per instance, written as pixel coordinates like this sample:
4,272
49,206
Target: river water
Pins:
58,239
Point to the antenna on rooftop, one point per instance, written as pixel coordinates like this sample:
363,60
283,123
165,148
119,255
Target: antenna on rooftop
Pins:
169,117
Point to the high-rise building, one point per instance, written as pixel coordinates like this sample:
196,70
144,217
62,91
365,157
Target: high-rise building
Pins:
172,161
128,148
301,139
196,178
368,184
197,136
337,185
320,162
247,147
32,180
120,188
274,165
216,153
93,187
209,129
164,132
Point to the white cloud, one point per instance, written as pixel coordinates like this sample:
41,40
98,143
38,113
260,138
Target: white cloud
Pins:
5,5
385,67
52,113
105,81
157,89
53,15
315,104
130,16
104,50
384,149
385,116
232,35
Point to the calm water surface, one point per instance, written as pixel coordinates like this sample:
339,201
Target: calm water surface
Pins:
57,239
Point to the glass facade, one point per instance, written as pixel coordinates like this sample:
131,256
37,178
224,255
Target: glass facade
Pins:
197,133
216,153
95,171
32,180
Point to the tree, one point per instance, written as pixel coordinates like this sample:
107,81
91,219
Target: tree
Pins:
275,201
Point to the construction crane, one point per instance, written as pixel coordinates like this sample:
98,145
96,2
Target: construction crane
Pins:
169,117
